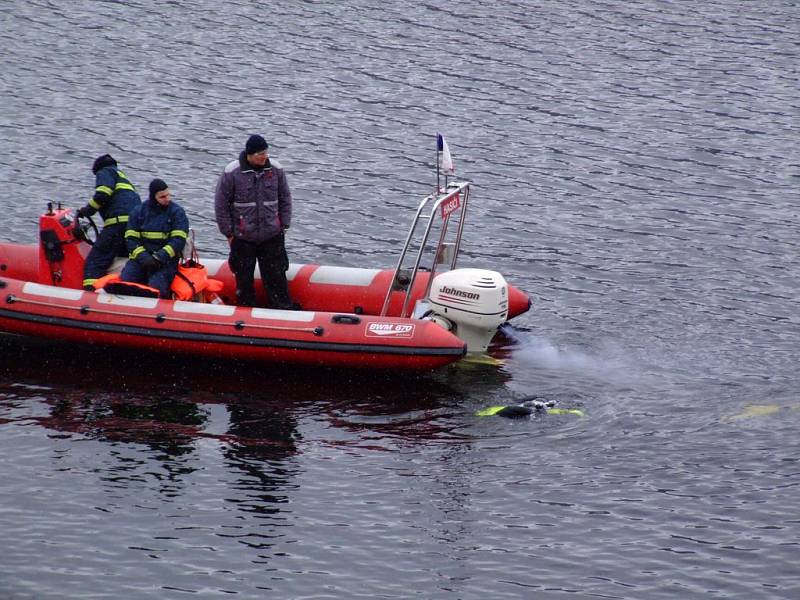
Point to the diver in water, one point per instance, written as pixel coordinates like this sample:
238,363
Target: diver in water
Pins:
526,407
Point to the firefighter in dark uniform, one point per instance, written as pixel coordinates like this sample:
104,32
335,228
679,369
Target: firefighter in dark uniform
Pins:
156,234
114,198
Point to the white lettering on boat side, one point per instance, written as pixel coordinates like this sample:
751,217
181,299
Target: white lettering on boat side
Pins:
403,330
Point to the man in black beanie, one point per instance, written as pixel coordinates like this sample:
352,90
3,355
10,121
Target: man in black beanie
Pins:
114,198
253,207
157,232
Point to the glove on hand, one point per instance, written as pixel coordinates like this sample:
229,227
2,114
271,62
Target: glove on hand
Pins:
149,262
82,212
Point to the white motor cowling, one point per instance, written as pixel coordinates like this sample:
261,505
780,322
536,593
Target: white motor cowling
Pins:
474,301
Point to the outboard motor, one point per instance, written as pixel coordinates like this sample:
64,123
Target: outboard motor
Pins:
472,303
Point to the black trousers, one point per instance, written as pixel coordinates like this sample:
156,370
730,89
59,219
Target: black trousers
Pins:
272,263
109,244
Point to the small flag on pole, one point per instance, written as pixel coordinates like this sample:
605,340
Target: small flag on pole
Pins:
445,160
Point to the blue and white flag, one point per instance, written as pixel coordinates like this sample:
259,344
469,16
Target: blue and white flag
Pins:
446,164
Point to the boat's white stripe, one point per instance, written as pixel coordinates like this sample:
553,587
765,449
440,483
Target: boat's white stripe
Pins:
213,265
290,274
49,291
119,300
224,310
283,315
293,269
344,276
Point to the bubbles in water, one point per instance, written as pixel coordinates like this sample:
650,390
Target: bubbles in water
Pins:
609,364
544,353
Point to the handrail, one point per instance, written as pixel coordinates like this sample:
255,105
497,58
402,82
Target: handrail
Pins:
457,201
463,200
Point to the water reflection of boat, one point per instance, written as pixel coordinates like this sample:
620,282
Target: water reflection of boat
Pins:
164,437
108,395
98,395
409,317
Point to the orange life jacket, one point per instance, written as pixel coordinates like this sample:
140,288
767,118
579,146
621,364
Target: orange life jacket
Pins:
214,285
191,279
99,284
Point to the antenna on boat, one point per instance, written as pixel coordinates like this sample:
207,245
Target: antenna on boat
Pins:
444,162
438,187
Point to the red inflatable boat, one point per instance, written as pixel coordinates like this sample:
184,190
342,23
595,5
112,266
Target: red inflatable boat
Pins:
408,317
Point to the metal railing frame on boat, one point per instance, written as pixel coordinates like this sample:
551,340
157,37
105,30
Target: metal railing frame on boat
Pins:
453,191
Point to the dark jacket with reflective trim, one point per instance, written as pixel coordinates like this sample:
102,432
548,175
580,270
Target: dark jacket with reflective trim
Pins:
114,195
158,230
253,205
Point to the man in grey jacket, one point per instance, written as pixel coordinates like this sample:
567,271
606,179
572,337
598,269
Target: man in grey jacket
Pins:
253,207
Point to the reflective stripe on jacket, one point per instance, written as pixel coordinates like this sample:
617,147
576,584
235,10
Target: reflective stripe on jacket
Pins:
253,205
159,230
114,196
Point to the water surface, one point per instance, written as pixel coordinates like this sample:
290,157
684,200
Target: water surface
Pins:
635,169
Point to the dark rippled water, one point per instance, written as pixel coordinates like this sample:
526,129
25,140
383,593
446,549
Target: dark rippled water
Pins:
636,171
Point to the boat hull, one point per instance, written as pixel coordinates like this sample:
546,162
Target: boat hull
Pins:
224,331
339,323
312,286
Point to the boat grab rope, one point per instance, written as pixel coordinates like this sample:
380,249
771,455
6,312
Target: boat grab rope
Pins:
162,318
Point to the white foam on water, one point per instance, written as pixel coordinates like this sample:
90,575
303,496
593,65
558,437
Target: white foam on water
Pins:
544,353
610,363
